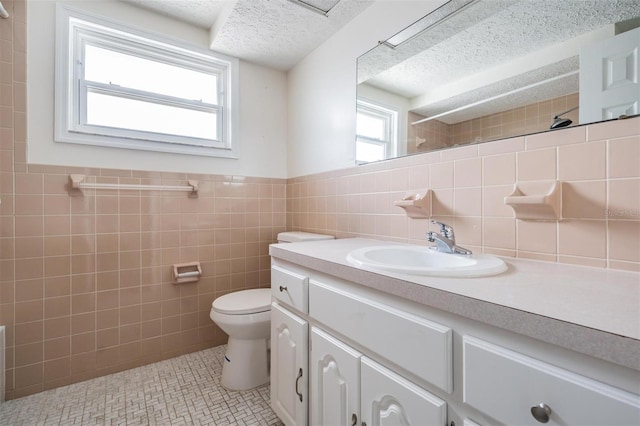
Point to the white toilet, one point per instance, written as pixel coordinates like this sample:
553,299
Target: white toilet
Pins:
246,317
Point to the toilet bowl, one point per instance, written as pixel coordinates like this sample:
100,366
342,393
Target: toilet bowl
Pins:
245,316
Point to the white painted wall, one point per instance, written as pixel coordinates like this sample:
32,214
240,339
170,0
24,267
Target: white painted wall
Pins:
322,87
263,103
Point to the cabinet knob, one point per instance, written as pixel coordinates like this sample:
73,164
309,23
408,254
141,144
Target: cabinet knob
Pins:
283,288
541,412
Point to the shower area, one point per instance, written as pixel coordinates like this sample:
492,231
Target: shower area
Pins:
536,117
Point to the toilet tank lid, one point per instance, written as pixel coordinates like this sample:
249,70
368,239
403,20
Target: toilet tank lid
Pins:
243,302
293,237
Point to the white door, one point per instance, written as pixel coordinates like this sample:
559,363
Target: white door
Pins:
289,351
335,381
389,399
609,78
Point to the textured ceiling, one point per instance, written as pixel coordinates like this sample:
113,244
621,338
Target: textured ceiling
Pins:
201,13
561,81
273,33
487,34
278,33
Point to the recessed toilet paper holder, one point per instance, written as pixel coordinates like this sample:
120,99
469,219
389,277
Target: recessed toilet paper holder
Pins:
186,272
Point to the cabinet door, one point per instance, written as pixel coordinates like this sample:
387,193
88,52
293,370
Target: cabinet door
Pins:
289,351
389,399
334,390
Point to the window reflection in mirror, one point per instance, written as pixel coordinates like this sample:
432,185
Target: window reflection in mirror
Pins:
376,132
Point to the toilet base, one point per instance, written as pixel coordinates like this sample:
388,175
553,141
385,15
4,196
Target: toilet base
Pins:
246,364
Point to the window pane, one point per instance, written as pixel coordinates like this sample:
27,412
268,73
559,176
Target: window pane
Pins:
371,126
110,67
369,152
112,111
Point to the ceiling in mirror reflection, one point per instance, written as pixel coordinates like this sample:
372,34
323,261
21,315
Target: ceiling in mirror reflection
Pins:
480,70
472,58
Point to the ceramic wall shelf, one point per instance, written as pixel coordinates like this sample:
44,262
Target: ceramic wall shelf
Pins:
536,200
416,204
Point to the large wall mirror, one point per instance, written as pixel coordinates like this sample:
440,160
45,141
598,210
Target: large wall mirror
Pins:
479,70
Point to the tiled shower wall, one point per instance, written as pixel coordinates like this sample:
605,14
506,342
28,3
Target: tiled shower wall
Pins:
598,165
532,118
85,277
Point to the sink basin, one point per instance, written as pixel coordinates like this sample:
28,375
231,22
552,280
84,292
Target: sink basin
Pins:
416,260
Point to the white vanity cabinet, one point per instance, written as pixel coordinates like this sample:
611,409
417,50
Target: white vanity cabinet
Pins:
289,346
377,359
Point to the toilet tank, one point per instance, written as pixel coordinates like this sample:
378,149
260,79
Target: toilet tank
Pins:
294,237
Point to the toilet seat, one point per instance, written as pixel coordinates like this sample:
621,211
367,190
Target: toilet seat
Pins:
243,302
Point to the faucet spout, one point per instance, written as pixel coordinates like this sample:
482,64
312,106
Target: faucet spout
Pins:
445,242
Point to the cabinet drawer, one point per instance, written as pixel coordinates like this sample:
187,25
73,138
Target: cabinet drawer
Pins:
505,385
290,288
422,347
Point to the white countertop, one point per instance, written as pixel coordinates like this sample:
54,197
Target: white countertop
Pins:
589,310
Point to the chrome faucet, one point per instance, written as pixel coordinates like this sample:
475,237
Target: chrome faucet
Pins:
445,241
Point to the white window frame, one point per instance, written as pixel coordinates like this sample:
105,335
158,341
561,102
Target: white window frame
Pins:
75,28
390,116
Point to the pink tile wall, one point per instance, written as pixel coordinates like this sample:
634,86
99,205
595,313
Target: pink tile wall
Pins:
88,289
535,117
85,287
532,118
85,277
598,165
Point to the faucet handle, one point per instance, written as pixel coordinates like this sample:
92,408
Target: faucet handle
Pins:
445,230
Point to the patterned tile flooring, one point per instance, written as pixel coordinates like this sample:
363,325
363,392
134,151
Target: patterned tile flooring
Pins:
180,391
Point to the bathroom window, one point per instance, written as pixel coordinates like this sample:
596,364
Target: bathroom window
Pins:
375,132
119,87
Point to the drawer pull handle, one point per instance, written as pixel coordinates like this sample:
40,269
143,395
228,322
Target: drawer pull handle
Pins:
297,380
283,288
354,420
541,412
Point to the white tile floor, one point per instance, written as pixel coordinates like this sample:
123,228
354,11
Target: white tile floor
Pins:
180,391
